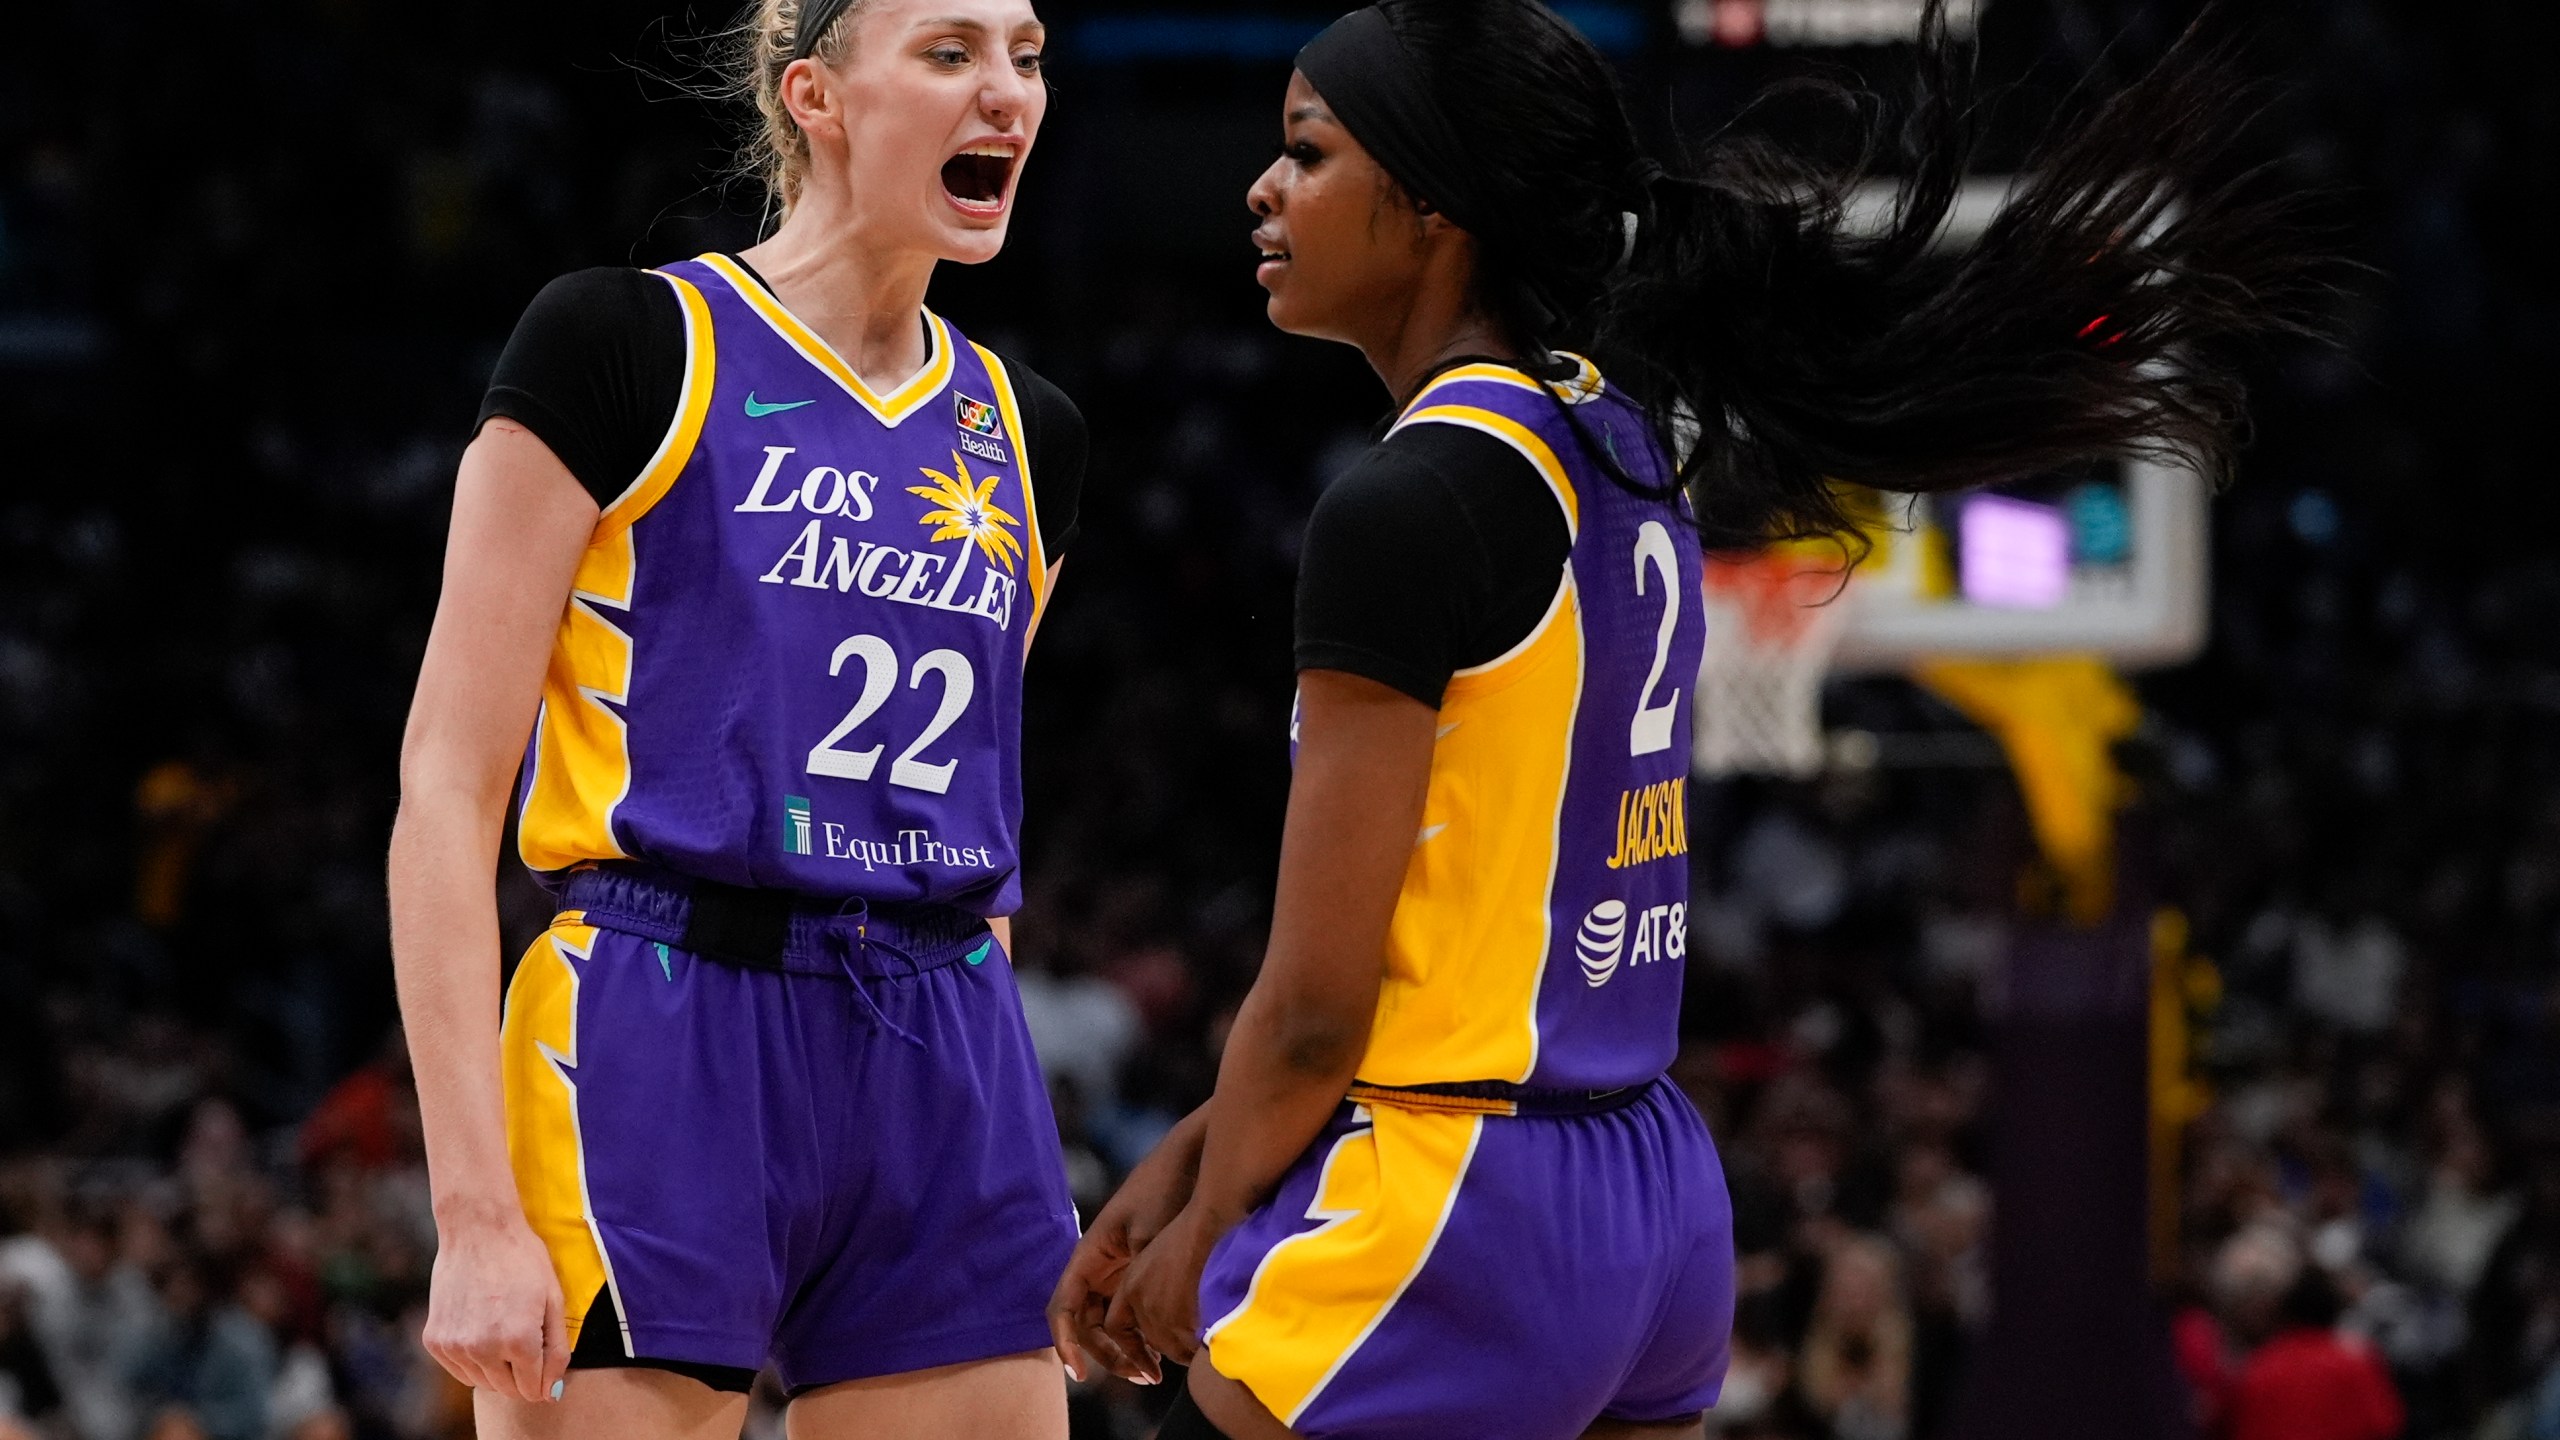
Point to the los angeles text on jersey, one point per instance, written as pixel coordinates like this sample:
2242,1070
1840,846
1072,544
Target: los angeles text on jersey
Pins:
816,560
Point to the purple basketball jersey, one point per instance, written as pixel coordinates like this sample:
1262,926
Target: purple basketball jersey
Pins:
793,659
1543,922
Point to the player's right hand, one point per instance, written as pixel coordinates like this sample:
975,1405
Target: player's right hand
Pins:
1147,1202
495,1320
1083,1298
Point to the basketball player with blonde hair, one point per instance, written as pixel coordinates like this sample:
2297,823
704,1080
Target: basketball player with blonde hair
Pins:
745,560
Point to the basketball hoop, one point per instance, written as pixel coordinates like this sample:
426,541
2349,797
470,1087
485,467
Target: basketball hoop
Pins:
1773,620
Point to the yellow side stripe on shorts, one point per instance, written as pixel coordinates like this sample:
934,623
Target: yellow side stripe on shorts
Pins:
1385,1195
538,1047
1424,1100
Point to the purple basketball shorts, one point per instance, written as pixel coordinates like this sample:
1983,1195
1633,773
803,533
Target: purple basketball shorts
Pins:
848,1174
1430,1275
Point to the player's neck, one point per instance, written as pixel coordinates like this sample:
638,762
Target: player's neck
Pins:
861,301
1411,365
1439,326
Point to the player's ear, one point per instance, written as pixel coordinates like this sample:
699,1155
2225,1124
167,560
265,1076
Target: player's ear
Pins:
1428,223
809,94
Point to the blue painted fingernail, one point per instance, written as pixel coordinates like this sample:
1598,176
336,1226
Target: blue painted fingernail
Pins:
559,1387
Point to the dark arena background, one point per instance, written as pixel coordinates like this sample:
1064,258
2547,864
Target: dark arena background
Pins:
256,263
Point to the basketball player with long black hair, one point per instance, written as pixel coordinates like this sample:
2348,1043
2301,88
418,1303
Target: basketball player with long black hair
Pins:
745,561
1443,1190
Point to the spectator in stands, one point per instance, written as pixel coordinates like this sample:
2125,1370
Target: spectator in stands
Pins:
90,1313
28,1394
1855,1372
2309,1382
205,1356
2252,1273
2465,1213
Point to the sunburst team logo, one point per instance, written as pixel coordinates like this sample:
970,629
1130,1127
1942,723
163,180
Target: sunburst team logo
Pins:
965,509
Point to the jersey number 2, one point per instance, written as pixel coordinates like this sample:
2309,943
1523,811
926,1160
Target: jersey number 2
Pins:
1651,732
879,677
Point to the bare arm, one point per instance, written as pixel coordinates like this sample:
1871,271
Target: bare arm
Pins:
520,522
1364,766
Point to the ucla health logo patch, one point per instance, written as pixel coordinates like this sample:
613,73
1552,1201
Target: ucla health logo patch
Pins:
978,417
981,429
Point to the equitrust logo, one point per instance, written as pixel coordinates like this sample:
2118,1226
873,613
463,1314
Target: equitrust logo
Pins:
796,830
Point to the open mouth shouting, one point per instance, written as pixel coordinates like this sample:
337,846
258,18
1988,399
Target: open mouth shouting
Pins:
977,179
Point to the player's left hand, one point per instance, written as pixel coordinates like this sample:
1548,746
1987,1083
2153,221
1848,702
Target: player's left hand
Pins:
1158,1308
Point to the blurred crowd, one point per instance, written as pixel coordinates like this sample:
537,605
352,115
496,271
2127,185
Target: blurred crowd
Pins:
244,312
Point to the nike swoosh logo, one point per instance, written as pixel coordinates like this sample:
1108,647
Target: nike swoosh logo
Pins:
757,411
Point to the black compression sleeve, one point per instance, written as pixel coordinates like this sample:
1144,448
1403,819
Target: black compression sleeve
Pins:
1058,444
596,369
1441,549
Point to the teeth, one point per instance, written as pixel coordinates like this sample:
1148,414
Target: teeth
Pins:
1001,152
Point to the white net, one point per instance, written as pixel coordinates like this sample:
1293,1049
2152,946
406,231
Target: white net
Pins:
1773,622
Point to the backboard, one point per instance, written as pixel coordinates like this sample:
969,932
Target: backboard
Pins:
2109,561
2106,560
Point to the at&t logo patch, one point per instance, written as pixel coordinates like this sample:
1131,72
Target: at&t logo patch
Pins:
1603,939
1604,942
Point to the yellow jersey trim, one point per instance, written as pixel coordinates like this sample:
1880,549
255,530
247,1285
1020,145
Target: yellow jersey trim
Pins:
537,1044
1587,384
888,410
675,448
1011,408
1385,1197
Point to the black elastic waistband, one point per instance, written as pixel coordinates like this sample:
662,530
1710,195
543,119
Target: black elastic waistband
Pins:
1496,1097
774,929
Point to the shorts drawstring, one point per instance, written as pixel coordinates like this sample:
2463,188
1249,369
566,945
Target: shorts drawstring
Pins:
844,946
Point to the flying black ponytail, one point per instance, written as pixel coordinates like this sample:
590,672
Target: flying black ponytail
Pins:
1781,346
